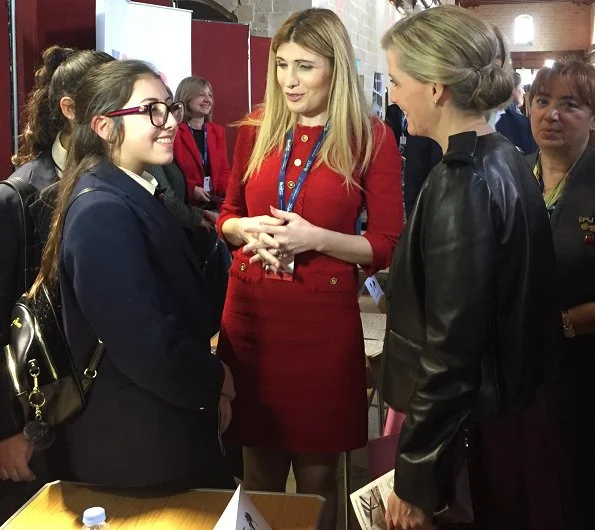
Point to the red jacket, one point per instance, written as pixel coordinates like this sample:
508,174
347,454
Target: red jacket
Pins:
188,158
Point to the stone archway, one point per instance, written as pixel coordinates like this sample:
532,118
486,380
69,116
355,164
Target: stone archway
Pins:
210,10
258,13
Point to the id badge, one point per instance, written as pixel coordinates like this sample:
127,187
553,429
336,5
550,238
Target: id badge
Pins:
285,275
207,184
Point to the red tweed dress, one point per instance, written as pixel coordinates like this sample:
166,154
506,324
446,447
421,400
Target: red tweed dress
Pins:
296,349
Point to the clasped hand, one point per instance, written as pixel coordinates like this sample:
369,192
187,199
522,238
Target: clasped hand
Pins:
275,240
401,515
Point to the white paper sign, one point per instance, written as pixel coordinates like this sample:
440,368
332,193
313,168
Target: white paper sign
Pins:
374,288
241,514
369,502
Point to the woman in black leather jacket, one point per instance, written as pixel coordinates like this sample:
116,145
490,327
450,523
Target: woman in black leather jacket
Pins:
473,326
562,103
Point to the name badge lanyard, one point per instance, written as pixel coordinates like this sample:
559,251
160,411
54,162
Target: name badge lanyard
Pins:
303,174
403,138
205,155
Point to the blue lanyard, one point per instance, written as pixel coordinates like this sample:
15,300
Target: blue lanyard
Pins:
205,154
303,174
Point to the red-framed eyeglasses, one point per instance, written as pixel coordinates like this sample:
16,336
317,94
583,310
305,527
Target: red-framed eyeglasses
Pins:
158,112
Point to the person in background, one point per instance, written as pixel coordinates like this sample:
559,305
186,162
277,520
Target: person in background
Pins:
40,159
128,276
473,325
514,125
562,103
420,155
200,148
291,329
199,226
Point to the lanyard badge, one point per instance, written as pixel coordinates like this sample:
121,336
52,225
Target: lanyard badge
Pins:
204,155
287,275
303,175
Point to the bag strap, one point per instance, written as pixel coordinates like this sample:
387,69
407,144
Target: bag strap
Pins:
90,373
23,190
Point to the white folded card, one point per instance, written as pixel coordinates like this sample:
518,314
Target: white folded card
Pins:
374,288
241,514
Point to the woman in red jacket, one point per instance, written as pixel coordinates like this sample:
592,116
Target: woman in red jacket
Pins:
291,331
200,148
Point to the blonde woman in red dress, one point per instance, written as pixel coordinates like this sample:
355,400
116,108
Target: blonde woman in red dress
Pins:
305,165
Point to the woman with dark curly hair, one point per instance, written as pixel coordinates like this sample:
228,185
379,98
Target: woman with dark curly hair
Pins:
41,159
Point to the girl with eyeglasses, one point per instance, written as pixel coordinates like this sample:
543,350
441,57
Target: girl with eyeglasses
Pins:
128,276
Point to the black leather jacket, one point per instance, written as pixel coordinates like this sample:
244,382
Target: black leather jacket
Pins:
473,324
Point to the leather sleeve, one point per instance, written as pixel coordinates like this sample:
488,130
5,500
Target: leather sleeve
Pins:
459,247
107,260
10,257
10,261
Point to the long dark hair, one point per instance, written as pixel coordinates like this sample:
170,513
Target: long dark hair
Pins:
105,89
59,76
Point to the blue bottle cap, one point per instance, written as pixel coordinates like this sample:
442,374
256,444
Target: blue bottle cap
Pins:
95,515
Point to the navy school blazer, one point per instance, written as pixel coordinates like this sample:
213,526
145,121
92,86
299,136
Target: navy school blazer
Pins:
128,275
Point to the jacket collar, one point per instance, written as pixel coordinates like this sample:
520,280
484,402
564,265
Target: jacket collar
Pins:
578,184
187,138
461,148
44,170
152,208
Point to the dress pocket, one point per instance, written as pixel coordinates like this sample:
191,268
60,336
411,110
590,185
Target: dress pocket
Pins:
243,270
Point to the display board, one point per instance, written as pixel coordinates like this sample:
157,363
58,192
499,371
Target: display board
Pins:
259,59
156,34
220,55
5,113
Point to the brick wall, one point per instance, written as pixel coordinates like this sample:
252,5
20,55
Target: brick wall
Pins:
365,24
264,16
558,25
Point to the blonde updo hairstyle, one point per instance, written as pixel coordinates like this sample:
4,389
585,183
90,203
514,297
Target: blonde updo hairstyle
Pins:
451,46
